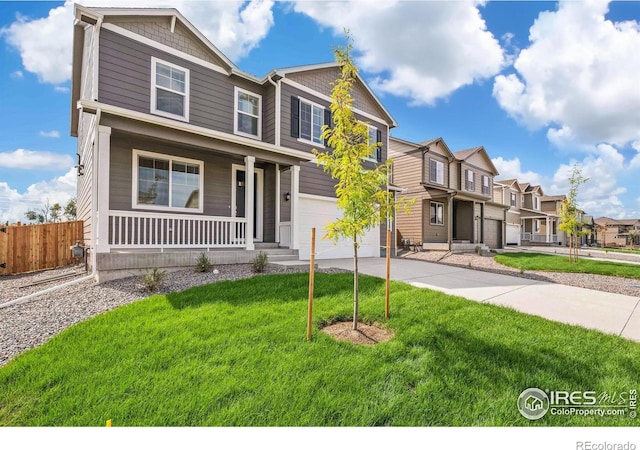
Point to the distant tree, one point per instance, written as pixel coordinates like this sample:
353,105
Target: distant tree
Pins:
70,209
31,216
55,212
633,237
570,215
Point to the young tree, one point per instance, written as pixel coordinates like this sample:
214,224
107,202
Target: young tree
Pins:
570,215
362,194
55,212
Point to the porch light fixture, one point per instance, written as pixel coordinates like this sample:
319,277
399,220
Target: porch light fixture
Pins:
287,196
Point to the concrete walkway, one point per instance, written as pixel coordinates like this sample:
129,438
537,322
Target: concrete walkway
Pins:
611,313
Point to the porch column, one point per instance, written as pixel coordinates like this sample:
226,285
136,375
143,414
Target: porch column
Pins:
101,187
278,203
449,221
295,210
548,223
249,171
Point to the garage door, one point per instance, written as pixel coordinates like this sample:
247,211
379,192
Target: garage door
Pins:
493,233
317,212
513,234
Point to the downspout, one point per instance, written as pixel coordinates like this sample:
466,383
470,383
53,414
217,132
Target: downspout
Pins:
91,276
277,107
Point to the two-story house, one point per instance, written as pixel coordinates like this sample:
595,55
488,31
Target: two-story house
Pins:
509,193
180,151
617,232
454,207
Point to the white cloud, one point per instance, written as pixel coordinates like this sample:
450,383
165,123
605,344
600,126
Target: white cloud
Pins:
420,50
50,134
512,168
635,161
62,89
17,75
13,204
45,43
577,77
30,159
601,194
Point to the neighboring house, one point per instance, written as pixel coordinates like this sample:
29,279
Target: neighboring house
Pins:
617,232
509,193
179,149
454,207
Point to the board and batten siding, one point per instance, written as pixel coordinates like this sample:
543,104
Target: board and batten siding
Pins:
125,81
84,193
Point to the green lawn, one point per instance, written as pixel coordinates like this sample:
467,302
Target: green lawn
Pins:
633,251
234,354
557,263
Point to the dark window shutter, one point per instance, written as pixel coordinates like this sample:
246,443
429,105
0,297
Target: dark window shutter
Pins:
379,148
327,122
466,179
295,117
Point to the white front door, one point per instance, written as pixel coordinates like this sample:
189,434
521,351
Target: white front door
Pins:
238,179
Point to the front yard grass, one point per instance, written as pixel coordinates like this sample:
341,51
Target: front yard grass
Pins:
234,354
556,263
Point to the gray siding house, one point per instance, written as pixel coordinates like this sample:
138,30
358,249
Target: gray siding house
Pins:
453,194
180,151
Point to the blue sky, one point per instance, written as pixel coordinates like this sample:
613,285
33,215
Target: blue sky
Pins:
540,85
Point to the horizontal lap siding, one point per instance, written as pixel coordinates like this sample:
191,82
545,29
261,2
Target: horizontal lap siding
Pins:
410,224
217,174
434,233
125,81
513,218
493,212
313,180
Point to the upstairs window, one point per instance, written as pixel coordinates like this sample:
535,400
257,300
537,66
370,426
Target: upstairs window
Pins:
375,136
513,199
247,114
436,171
307,119
536,203
169,90
470,179
486,190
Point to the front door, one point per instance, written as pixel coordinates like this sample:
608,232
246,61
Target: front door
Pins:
239,198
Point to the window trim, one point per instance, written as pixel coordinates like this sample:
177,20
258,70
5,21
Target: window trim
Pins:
313,104
236,111
536,203
373,158
470,185
136,153
488,186
155,87
513,199
437,204
437,161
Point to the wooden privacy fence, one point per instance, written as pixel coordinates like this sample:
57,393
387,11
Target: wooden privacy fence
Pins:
27,248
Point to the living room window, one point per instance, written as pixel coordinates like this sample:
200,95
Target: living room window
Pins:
163,182
436,213
247,114
436,171
169,90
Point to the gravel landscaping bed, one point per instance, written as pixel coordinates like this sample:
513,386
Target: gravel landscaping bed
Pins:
615,285
32,323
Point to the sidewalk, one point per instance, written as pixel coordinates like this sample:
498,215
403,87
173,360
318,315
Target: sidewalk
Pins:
585,252
611,313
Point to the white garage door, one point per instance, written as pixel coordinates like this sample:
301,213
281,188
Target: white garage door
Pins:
513,234
317,212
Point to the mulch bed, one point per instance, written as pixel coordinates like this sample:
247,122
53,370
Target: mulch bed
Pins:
364,335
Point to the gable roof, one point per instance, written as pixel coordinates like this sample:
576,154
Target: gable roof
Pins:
510,183
553,198
463,155
283,72
424,145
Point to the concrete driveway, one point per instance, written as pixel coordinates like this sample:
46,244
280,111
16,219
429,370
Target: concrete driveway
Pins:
611,313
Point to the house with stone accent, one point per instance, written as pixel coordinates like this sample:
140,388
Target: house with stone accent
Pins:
180,151
454,208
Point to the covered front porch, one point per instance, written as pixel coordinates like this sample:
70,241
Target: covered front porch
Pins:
539,228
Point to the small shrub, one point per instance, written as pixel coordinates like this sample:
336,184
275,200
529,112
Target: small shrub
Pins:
203,264
521,271
478,249
469,263
152,280
260,262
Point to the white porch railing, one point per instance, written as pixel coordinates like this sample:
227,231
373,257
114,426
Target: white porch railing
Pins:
134,229
538,237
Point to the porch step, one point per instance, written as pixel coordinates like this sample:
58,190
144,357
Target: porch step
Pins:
282,257
265,245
